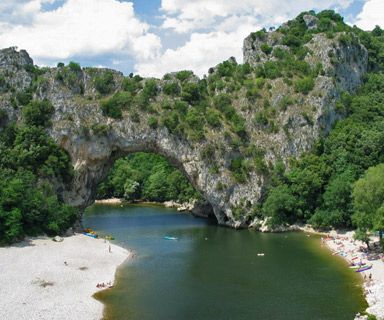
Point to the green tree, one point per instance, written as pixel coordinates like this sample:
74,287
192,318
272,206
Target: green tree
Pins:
368,200
280,206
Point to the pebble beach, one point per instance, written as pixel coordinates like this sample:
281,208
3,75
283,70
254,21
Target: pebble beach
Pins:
354,251
43,279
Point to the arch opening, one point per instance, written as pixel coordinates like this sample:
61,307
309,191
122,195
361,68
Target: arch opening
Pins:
147,176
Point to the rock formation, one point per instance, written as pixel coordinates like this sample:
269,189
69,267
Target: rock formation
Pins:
94,141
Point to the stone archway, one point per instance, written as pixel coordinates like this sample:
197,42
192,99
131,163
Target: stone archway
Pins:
93,156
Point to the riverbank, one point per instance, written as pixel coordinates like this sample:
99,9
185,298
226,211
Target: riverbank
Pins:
43,279
185,206
110,201
352,250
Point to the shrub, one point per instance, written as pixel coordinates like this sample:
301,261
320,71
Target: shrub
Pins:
285,102
304,85
152,122
38,113
181,106
190,92
213,118
104,83
171,88
266,48
113,106
238,169
170,121
194,119
132,85
74,67
272,69
150,88
23,97
184,75
226,68
280,53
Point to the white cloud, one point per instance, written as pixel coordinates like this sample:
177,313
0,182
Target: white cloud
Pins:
202,50
185,16
80,27
371,15
217,29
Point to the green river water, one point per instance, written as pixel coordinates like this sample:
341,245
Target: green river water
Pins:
214,272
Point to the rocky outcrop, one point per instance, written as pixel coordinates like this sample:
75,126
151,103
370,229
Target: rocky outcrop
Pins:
78,118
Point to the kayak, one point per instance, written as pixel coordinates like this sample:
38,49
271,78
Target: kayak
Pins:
170,238
92,235
364,268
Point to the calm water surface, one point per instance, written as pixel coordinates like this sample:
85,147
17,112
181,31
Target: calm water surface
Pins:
214,273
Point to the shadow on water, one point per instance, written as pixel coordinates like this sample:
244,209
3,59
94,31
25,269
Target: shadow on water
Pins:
215,273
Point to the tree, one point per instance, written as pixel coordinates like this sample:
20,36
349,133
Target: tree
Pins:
368,200
280,206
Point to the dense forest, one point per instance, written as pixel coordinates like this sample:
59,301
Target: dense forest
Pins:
30,161
338,184
146,176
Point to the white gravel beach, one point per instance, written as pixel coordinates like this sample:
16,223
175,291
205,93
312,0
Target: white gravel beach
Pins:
43,279
345,246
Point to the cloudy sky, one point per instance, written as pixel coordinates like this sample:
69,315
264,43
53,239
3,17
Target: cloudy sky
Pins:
153,37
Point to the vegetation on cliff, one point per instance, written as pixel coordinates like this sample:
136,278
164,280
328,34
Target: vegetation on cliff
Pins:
240,119
322,187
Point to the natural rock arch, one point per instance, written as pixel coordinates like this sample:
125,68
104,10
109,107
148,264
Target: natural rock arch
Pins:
94,141
93,156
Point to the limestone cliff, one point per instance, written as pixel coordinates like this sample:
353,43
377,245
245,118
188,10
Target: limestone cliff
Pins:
95,140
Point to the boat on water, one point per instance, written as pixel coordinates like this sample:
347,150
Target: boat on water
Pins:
170,238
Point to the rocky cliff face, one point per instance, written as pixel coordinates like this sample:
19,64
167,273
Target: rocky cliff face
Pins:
94,141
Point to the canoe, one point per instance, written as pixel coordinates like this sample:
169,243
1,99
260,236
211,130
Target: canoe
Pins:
170,238
364,268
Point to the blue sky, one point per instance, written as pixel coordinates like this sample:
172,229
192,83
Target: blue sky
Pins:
153,37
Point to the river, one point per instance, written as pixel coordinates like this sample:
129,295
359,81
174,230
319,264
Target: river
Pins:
213,272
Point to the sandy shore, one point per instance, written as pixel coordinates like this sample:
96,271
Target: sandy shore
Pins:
35,282
109,201
345,246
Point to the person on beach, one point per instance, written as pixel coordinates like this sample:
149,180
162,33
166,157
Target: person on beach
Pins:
109,248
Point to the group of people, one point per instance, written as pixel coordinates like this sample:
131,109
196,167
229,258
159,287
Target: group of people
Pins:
103,285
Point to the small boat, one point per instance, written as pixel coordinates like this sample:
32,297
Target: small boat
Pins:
365,268
109,238
170,238
260,254
92,235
